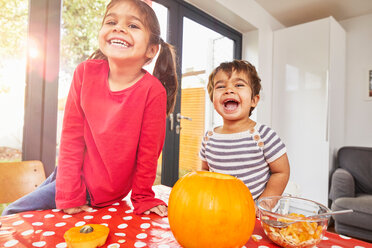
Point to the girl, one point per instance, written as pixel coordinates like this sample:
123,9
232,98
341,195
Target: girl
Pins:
115,116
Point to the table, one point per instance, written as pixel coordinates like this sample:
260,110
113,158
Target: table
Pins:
46,228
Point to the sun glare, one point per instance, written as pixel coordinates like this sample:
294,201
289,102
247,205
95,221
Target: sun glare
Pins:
33,48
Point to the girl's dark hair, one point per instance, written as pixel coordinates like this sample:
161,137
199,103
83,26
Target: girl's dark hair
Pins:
165,66
238,66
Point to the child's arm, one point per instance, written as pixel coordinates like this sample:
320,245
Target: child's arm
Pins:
149,148
204,166
70,190
279,177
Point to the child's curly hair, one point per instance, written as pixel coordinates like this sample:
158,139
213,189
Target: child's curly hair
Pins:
238,66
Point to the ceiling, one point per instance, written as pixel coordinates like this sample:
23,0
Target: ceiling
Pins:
289,12
293,12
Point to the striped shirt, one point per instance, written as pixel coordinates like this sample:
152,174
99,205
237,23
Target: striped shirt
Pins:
245,155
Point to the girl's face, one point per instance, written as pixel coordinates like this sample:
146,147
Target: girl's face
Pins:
232,97
123,35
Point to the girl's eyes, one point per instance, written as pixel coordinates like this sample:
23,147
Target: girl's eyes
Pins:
133,26
239,85
111,23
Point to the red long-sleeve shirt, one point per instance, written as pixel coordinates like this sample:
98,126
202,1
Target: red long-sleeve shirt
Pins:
110,140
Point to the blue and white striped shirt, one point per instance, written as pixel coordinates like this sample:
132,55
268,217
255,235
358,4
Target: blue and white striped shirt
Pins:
245,155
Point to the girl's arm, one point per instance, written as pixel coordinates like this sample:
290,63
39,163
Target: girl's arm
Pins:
279,177
149,148
70,190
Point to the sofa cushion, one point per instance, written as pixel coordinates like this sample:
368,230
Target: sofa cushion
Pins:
342,185
358,161
362,215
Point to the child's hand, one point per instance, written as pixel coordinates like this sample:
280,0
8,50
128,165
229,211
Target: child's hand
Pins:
161,210
76,210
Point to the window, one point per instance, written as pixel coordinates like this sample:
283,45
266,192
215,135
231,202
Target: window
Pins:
13,49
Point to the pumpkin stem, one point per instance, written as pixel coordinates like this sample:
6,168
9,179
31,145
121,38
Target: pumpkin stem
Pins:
86,229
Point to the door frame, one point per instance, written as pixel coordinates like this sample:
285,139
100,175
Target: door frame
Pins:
177,9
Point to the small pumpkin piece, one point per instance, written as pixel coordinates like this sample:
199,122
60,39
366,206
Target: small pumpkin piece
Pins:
87,236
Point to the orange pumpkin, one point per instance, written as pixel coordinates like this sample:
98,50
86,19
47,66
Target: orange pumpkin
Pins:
88,236
208,209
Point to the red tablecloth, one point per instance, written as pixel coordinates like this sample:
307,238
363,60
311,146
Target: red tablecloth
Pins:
46,228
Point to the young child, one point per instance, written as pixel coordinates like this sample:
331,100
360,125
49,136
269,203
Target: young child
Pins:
115,117
241,147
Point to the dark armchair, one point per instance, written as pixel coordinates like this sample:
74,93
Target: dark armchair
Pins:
351,188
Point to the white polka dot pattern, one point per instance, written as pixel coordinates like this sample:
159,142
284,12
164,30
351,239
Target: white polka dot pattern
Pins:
46,229
139,244
122,226
48,233
17,223
344,237
145,225
37,224
113,246
61,245
141,236
11,243
28,215
80,223
27,232
39,244
60,224
258,237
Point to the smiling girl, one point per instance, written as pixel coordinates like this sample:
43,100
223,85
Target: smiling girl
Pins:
115,116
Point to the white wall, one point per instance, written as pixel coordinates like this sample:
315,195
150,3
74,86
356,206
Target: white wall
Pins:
358,111
253,13
358,115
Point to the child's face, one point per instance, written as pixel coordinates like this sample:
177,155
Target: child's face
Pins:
232,97
123,35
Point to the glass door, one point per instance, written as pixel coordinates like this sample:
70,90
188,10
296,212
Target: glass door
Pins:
202,43
199,56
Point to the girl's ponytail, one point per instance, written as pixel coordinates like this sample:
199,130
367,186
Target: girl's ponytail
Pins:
165,71
97,54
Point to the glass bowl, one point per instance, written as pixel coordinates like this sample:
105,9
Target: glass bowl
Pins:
305,232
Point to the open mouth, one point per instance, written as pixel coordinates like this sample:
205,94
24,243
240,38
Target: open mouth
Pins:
120,43
230,104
